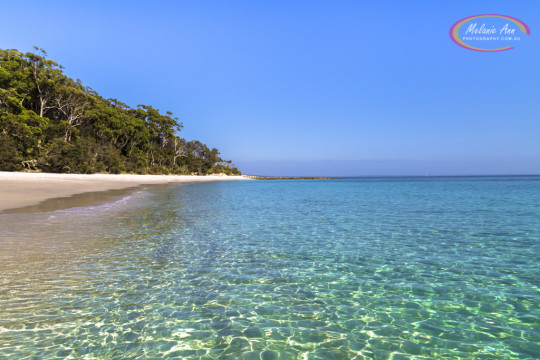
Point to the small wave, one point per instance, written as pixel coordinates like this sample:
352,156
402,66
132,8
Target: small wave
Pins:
81,210
78,206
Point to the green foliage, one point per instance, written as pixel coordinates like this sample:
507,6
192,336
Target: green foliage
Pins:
50,122
10,157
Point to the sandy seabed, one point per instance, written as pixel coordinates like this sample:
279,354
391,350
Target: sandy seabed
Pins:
18,189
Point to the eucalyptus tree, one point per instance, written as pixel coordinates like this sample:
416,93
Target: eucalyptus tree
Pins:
51,122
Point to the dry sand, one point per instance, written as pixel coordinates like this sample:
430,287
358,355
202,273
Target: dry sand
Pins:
25,189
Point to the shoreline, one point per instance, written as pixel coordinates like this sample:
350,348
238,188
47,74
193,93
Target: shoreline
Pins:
20,189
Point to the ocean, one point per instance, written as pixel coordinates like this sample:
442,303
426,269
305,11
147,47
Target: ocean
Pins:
365,268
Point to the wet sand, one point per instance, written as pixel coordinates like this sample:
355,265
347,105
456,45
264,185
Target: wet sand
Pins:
18,190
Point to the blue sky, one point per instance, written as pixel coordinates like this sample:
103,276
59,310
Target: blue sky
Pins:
337,88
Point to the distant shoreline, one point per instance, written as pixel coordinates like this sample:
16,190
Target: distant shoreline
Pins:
20,189
256,177
270,177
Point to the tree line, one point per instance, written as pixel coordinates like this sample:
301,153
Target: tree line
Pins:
50,122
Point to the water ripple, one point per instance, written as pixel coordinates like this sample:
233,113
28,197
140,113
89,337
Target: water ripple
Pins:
337,269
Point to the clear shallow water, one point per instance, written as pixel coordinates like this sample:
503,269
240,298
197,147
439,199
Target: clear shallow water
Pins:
424,268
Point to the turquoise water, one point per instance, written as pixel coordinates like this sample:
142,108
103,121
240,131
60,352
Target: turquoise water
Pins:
396,268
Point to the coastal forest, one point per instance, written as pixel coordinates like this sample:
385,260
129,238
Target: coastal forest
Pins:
50,122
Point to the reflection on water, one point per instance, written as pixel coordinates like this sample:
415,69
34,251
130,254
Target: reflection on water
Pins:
339,269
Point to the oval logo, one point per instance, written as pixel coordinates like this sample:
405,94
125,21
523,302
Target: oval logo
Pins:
488,32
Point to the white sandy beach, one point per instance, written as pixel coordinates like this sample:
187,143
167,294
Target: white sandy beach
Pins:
19,189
